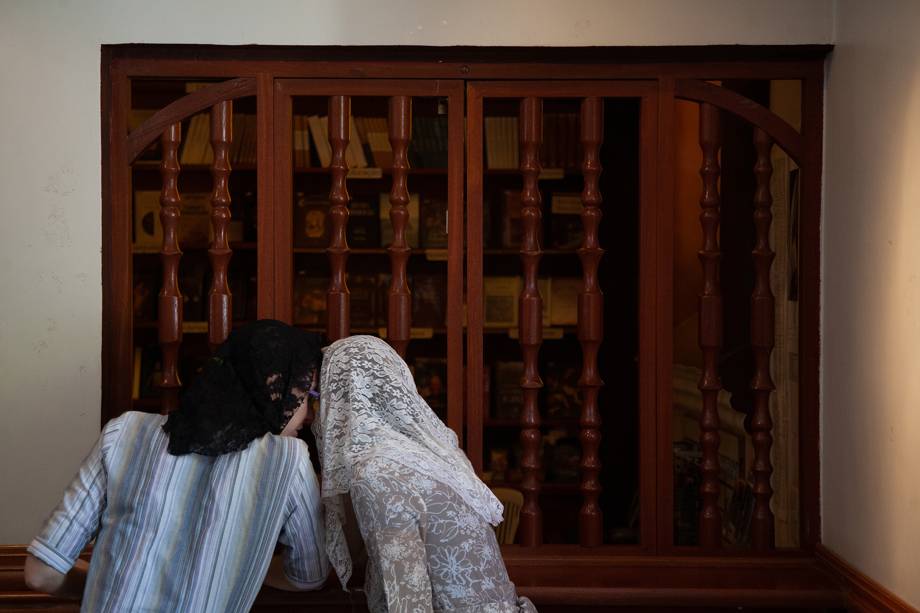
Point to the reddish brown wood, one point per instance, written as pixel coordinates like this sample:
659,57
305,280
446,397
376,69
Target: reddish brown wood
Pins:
763,316
185,107
590,323
662,328
722,64
530,320
455,236
337,299
762,117
710,327
399,314
169,315
220,316
271,242
474,291
810,310
117,314
863,593
683,70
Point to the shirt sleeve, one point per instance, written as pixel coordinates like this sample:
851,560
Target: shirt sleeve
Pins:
305,563
76,520
390,515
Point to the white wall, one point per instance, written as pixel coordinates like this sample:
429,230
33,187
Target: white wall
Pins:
50,163
871,381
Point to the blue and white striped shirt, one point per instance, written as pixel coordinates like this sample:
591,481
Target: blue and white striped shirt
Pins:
185,533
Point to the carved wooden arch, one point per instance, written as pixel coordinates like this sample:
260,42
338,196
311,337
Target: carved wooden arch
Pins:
197,101
760,116
769,129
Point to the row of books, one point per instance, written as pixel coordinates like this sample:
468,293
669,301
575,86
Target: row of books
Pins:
559,297
369,300
560,453
565,225
194,285
369,222
560,396
559,148
369,142
195,226
196,143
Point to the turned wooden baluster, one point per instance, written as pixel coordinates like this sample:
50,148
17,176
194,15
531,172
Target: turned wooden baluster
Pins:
710,327
219,300
337,298
762,340
399,318
530,321
590,323
169,314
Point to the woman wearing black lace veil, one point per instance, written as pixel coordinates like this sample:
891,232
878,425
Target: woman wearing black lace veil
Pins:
424,515
186,510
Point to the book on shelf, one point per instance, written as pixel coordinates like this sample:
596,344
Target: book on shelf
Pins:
148,370
248,151
193,285
148,231
512,224
428,145
509,396
301,141
354,152
433,226
429,305
386,228
373,131
252,297
383,297
311,227
239,287
309,299
144,295
196,146
363,300
561,457
430,376
561,394
195,219
565,222
363,231
564,300
500,301
501,136
246,210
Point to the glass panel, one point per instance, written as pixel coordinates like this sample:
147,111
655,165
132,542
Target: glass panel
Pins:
369,231
195,184
737,235
559,282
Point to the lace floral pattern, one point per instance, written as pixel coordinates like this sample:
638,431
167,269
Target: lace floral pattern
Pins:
369,405
427,550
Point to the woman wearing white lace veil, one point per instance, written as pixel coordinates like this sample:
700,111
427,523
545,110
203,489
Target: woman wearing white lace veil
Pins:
423,514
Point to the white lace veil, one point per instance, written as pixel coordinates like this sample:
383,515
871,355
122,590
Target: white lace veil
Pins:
369,405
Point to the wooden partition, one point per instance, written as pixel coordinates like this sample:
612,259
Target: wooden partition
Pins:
653,89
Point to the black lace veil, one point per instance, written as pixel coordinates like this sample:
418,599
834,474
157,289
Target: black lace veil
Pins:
251,386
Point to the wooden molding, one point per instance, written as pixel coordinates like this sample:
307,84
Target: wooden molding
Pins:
862,593
570,577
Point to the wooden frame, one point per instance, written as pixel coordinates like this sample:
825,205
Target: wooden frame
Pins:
651,76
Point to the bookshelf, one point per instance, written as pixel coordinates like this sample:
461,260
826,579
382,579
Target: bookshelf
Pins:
464,224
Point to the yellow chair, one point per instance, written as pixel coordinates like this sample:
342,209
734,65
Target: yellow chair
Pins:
513,500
